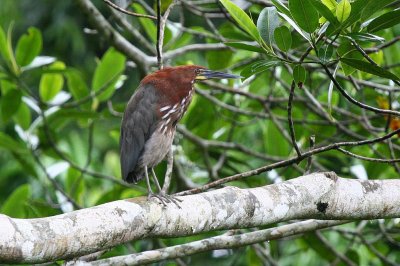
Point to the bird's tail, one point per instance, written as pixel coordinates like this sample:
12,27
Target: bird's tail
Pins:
134,177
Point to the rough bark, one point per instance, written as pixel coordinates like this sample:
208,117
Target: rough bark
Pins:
317,196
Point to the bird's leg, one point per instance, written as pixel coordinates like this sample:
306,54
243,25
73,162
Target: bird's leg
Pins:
162,194
156,180
150,191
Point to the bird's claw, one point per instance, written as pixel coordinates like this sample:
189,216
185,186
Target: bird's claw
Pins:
165,199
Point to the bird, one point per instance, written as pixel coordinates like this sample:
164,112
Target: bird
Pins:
150,119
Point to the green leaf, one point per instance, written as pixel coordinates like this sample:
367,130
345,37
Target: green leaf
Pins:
219,59
76,85
258,67
331,4
10,103
51,83
304,14
8,143
325,53
147,24
369,68
267,22
107,72
372,6
347,50
384,21
325,11
16,204
244,46
343,10
242,19
3,45
365,37
305,35
23,116
299,74
283,38
281,8
28,47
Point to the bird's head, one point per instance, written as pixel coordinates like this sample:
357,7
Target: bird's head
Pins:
186,75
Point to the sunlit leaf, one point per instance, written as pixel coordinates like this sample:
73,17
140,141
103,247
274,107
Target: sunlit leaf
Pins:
28,47
3,45
343,10
51,83
324,11
242,19
107,72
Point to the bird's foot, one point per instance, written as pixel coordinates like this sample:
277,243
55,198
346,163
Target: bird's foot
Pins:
165,199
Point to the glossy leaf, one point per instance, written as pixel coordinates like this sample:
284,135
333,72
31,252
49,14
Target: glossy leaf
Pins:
343,10
244,46
369,68
267,22
305,15
299,74
51,83
305,35
281,7
258,67
28,47
384,21
242,19
283,38
107,72
365,37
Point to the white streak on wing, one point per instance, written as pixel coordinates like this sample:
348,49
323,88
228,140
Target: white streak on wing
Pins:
166,115
165,108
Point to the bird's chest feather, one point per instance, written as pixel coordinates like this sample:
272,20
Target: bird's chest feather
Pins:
172,112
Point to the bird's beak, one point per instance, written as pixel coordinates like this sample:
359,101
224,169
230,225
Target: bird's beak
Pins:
209,74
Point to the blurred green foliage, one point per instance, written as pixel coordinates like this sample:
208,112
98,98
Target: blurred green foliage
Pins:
63,88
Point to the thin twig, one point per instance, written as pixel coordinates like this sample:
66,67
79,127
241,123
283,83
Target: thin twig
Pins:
111,4
291,127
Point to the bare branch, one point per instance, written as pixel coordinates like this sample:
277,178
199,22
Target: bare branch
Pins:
315,196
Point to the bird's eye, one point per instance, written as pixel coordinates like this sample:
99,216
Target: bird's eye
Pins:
197,70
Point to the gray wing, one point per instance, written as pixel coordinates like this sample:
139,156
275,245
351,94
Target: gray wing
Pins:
138,123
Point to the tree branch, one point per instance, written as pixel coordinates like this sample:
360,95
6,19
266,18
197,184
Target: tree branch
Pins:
317,196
